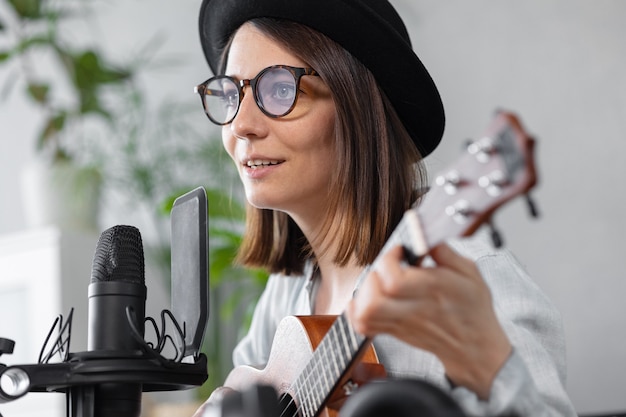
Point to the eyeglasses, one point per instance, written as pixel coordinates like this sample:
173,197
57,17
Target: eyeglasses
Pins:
275,91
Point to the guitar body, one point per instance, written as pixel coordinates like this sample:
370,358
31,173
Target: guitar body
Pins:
295,340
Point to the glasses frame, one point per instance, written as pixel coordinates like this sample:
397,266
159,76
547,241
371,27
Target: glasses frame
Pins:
297,73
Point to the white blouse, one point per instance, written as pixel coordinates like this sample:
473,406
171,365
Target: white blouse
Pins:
532,381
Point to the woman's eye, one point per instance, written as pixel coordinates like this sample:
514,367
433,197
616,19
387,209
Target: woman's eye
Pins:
284,91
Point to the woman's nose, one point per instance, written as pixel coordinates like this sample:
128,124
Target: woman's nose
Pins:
250,120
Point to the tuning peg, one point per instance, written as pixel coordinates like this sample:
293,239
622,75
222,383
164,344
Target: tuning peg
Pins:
532,207
493,182
496,236
459,211
451,181
482,149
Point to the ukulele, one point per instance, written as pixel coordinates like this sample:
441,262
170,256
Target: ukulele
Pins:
316,361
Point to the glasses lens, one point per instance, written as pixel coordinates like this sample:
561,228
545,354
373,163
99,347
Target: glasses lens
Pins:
276,91
221,99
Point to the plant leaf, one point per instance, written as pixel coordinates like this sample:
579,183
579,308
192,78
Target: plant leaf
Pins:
53,126
220,260
27,9
37,40
91,71
227,235
223,206
38,92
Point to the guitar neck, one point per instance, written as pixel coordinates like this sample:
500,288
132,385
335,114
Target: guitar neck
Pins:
342,345
495,169
334,355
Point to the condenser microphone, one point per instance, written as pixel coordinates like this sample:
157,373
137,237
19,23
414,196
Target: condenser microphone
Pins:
107,380
117,302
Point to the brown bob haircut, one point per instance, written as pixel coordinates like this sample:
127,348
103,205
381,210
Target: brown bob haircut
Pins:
379,171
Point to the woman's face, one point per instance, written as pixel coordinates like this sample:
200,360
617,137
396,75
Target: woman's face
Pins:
285,163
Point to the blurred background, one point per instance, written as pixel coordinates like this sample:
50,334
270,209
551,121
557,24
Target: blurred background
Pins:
97,111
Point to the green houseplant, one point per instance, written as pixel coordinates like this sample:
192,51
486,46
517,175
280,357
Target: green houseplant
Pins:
149,156
66,85
36,27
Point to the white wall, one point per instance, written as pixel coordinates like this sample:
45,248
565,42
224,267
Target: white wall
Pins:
559,64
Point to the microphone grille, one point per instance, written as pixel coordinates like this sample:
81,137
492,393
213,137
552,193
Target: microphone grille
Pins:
119,256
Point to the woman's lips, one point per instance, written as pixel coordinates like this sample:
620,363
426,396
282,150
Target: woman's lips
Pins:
257,168
256,163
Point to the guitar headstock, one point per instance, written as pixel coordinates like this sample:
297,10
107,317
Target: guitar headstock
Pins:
493,170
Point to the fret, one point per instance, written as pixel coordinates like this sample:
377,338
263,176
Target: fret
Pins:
344,339
352,340
307,411
313,378
334,363
340,359
330,360
435,219
310,400
309,408
300,393
355,338
314,401
324,352
344,336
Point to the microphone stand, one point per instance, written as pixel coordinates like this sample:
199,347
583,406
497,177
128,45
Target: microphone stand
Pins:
78,378
80,373
142,367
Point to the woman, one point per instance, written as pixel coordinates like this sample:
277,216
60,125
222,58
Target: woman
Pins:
327,113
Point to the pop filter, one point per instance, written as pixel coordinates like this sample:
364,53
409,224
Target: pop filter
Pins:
190,277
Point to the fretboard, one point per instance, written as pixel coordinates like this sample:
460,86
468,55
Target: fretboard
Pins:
493,170
330,361
342,344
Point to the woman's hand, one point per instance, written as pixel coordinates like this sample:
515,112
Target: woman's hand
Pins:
446,309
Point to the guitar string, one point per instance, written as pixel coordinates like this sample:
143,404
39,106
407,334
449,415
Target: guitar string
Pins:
314,403
401,234
305,400
310,400
307,404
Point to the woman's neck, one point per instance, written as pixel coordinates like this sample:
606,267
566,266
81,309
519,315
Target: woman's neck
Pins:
336,286
337,282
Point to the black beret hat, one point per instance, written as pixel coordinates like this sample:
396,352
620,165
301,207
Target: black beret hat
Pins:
371,30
